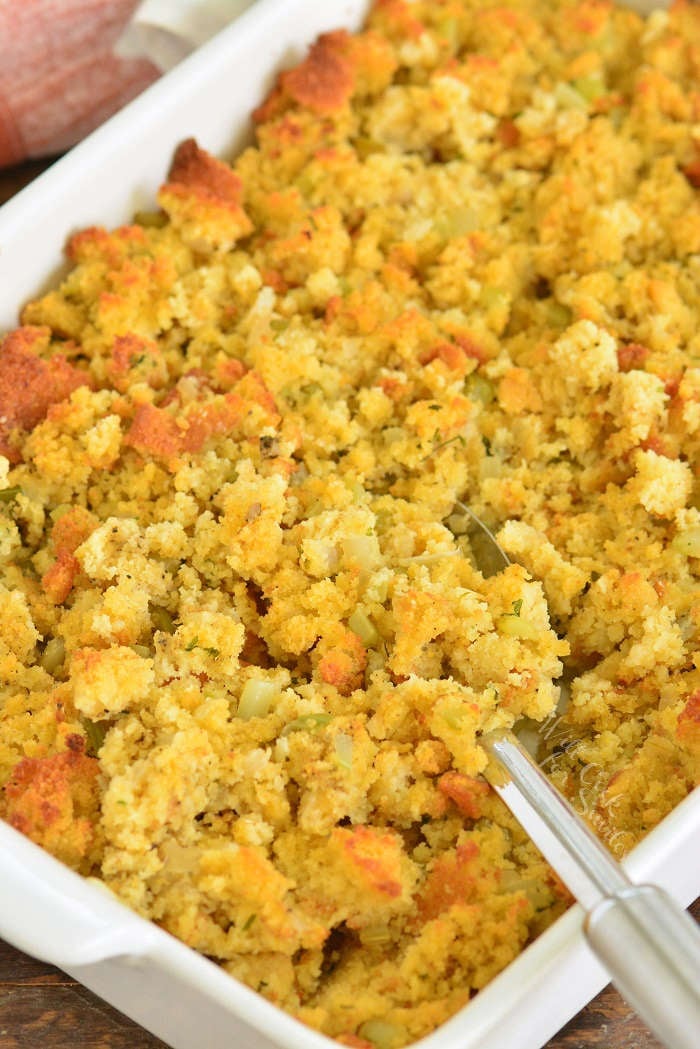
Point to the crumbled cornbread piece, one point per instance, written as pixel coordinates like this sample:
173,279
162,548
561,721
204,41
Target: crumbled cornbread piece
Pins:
246,649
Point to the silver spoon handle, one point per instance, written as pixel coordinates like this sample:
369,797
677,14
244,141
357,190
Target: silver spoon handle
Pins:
651,948
649,945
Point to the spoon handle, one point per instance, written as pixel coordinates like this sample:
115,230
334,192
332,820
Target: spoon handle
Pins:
651,948
649,945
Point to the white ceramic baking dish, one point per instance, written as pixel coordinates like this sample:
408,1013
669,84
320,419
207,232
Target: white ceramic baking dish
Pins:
46,909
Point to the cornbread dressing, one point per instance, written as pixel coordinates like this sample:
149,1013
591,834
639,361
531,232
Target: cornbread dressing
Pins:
246,651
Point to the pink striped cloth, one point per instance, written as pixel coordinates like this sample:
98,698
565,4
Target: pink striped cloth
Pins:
58,76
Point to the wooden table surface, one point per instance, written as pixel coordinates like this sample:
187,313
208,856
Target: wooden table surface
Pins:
42,1008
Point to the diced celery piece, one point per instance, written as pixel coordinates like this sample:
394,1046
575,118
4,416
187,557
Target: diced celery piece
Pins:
448,29
95,734
492,298
162,620
558,315
687,542
360,623
375,935
142,650
307,723
515,626
151,219
53,655
343,750
58,511
568,97
590,87
382,1034
305,183
481,389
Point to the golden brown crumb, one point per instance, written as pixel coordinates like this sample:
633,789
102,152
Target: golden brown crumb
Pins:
53,800
29,385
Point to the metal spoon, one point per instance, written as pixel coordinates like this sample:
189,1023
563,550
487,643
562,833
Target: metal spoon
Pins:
648,944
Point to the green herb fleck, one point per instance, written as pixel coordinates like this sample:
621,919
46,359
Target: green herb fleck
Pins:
194,643
517,605
249,921
8,494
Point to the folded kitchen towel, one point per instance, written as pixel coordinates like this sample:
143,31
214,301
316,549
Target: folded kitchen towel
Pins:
59,76
165,31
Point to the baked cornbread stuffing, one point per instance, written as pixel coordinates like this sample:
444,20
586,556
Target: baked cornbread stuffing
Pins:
246,651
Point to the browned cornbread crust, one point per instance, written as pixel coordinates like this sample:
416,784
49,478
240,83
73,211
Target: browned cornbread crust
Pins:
245,651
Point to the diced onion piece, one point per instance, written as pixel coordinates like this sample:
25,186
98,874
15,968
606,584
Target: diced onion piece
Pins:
53,655
362,625
688,542
378,587
343,750
382,1034
517,626
256,698
307,723
179,859
375,935
513,881
455,222
363,550
426,559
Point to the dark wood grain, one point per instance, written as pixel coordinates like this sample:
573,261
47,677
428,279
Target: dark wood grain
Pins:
12,180
42,1008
